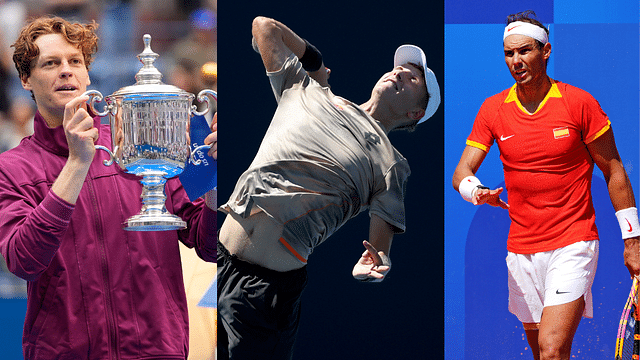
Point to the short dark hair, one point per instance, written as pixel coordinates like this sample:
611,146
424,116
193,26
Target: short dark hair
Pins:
528,16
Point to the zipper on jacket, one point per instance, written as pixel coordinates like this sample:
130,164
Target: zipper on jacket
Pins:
110,311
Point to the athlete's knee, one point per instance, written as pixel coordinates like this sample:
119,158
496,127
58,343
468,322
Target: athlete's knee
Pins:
552,348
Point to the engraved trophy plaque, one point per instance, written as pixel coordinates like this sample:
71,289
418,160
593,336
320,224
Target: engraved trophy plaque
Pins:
149,123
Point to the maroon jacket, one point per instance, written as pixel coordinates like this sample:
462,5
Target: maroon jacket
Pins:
95,291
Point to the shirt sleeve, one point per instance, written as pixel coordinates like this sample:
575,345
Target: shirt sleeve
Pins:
388,203
481,136
290,74
202,225
593,119
30,232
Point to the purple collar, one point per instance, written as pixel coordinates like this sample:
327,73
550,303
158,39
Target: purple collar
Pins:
53,139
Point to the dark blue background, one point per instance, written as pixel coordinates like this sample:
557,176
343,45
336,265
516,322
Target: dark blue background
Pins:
402,317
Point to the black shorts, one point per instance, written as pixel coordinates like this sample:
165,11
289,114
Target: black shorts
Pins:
258,308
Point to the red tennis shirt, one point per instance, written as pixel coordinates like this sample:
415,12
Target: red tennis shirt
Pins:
547,167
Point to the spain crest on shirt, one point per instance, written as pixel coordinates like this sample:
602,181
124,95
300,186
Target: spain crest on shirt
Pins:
562,132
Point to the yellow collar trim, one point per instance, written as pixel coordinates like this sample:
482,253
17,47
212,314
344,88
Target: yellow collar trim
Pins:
554,92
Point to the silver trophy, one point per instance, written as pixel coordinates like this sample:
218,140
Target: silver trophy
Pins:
149,122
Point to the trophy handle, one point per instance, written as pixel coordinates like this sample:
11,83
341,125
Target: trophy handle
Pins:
193,153
95,95
112,157
202,96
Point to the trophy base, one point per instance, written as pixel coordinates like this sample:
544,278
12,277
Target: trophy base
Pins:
160,222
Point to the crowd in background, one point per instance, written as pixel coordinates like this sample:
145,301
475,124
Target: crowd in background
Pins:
183,32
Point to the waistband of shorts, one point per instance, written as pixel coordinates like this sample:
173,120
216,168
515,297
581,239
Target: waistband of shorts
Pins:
297,276
587,241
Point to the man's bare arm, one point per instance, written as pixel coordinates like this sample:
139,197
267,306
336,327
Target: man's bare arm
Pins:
275,42
604,153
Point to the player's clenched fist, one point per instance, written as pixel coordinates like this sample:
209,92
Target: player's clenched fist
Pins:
79,129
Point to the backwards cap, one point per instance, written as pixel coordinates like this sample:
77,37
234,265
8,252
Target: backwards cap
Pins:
413,54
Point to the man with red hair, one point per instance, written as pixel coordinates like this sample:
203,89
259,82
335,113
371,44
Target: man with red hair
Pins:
95,291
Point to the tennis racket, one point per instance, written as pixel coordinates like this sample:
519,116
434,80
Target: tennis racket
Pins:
628,341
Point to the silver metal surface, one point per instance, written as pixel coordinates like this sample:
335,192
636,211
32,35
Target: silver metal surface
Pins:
149,134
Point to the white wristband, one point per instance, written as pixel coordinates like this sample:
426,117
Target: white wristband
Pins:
628,221
468,187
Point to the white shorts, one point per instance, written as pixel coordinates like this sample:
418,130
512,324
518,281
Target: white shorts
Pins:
551,278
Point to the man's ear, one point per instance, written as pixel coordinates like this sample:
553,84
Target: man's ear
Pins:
546,51
26,84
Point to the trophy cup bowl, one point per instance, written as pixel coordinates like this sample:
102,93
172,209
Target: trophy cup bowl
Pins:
149,137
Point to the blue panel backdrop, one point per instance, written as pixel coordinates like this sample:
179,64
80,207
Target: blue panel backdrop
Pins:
595,49
12,318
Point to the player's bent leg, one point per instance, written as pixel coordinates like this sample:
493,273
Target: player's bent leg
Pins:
557,328
531,329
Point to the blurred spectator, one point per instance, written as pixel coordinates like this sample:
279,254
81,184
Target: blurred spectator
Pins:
5,80
12,17
116,63
209,72
201,43
198,274
190,77
17,124
72,10
116,28
164,20
210,75
186,75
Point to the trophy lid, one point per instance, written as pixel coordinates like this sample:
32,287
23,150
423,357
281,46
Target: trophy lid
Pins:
148,77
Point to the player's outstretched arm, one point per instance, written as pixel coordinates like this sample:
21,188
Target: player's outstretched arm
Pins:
465,182
275,42
374,264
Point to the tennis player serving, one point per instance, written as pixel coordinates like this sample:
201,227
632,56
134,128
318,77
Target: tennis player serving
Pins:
322,161
549,134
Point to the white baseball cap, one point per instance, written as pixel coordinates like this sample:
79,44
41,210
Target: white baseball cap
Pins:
413,54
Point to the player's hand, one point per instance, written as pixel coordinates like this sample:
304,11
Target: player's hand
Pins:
372,266
79,130
491,197
632,255
212,139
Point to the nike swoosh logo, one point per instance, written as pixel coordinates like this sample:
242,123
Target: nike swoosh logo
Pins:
630,227
503,138
561,292
513,28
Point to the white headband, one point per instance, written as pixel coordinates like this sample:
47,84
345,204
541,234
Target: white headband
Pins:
526,29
